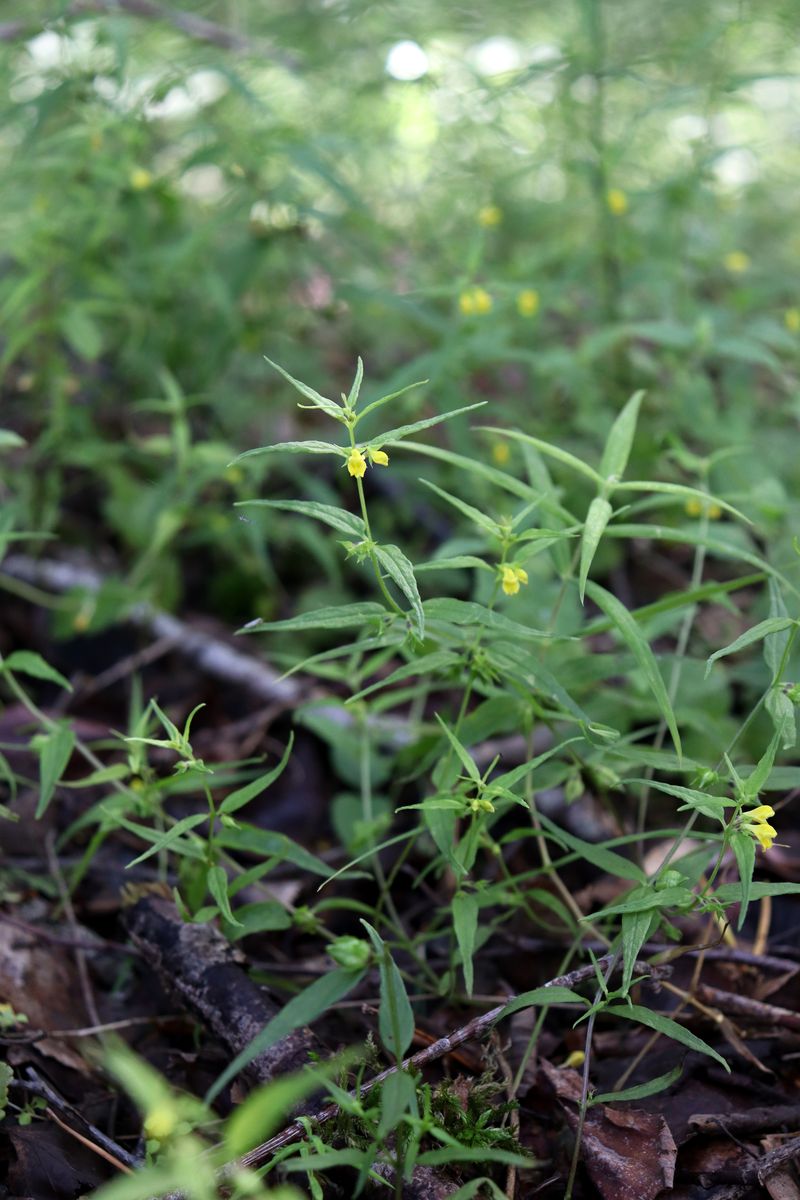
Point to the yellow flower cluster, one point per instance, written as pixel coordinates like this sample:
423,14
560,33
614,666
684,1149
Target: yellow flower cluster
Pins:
357,463
528,303
791,319
737,262
695,508
475,302
511,578
489,216
500,453
757,825
617,202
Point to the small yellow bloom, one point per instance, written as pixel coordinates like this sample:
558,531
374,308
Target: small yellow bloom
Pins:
378,458
755,823
528,303
695,508
617,202
500,453
737,262
576,1059
762,813
475,302
791,319
489,216
160,1122
356,463
140,179
511,578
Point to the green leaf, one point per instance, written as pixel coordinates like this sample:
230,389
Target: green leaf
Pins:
631,634
163,841
458,562
462,755
337,518
620,439
391,396
665,1025
645,899
763,629
403,431
476,1154
217,881
472,514
438,663
600,856
401,572
302,1009
27,662
543,996
682,491
556,452
464,907
775,643
636,928
260,917
10,440
317,401
757,780
732,893
396,1017
266,1108
267,842
243,795
310,447
598,516
358,379
341,616
398,1096
710,806
744,849
467,612
640,1091
55,750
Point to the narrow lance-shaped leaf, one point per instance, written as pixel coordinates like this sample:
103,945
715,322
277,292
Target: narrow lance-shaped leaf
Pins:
556,452
340,616
217,881
55,751
620,439
465,923
396,1018
404,431
27,662
337,518
762,630
598,516
302,1009
472,514
243,795
665,1025
632,635
744,850
317,401
309,447
401,572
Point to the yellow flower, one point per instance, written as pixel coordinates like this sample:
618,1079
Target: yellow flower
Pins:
140,179
489,216
617,202
737,262
160,1122
695,509
378,458
755,823
500,453
511,578
791,319
576,1059
475,302
356,463
528,303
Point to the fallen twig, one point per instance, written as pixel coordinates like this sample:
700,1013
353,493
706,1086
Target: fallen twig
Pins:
745,1006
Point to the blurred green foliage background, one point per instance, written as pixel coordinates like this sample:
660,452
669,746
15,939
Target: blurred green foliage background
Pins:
543,206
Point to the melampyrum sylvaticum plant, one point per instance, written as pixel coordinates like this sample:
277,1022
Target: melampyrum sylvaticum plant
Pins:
430,679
